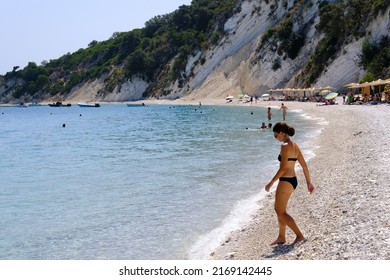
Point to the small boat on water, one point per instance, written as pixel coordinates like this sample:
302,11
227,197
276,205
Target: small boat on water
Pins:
59,104
136,105
95,105
21,105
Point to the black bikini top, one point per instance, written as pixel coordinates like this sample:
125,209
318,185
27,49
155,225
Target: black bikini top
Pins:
289,159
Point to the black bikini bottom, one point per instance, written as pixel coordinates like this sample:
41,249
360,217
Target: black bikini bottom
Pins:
292,180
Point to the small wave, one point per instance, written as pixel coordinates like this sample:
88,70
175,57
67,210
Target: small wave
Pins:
306,115
297,110
310,154
241,214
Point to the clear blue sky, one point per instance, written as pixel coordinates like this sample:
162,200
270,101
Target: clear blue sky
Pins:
37,30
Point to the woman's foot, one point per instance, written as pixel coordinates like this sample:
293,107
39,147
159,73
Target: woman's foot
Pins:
299,240
278,241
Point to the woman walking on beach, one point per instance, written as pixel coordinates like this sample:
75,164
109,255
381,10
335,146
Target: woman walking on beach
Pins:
289,154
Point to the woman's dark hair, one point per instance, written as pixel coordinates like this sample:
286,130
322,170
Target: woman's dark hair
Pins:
285,128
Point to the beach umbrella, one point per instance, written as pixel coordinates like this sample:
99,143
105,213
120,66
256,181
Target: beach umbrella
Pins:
331,95
366,84
241,95
352,85
325,92
265,95
327,88
379,82
229,97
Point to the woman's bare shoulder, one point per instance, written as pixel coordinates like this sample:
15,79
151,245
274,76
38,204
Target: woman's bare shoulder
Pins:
297,149
285,147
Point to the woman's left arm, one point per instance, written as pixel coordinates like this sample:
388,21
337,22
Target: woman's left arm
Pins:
306,172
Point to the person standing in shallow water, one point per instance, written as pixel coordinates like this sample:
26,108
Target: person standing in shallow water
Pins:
289,154
269,114
284,110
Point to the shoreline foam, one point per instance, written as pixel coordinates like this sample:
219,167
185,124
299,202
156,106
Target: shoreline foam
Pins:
240,215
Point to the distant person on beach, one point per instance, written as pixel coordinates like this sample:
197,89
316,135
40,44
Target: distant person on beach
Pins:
349,97
269,114
284,110
263,125
289,154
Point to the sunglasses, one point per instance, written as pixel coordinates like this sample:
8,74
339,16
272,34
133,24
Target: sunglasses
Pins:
276,134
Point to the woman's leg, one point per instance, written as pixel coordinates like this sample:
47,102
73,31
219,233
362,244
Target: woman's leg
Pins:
283,193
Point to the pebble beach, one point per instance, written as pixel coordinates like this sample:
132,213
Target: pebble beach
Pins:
347,217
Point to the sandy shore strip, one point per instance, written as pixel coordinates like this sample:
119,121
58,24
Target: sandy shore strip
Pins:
348,215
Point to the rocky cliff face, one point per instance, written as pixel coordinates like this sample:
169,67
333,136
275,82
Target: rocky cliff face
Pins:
244,61
241,63
238,65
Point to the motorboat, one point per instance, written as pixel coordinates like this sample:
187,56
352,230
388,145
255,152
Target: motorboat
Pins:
59,104
95,105
136,105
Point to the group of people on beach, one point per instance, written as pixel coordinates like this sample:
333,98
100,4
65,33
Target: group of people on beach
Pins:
352,97
283,108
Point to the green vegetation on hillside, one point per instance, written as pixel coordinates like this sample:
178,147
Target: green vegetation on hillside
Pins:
375,59
145,53
283,38
340,21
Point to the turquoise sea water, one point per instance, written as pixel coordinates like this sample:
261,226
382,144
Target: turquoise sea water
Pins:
118,182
